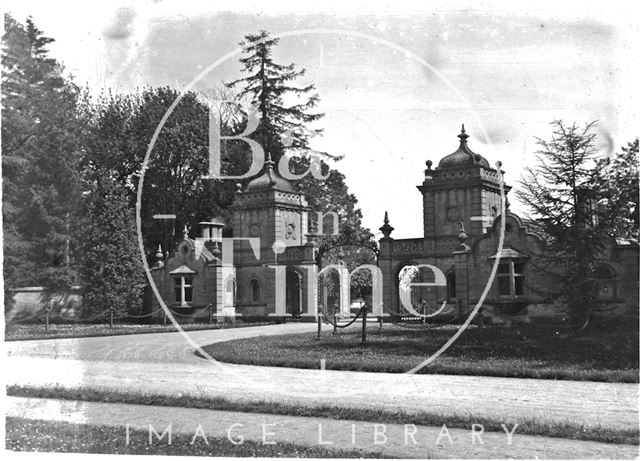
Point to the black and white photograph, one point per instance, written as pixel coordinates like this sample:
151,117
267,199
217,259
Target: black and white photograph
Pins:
282,229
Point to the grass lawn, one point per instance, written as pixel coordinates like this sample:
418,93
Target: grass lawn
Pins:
608,353
46,436
424,418
17,332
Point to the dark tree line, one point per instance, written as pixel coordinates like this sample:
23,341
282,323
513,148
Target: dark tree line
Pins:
72,165
41,152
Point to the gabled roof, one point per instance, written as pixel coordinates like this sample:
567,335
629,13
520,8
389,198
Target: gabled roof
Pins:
509,253
182,270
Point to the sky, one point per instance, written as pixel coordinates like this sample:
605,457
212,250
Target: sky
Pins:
396,80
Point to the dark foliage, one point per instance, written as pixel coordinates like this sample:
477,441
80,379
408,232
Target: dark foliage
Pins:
41,148
580,205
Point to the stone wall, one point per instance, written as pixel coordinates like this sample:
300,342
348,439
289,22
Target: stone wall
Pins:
30,303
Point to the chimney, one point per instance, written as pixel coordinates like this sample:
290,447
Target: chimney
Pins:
212,230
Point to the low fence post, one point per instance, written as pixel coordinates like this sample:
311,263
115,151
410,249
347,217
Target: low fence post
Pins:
335,322
319,327
380,323
111,317
210,313
364,324
46,324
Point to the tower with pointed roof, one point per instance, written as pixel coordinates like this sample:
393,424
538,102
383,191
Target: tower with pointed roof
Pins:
270,209
461,199
273,211
463,188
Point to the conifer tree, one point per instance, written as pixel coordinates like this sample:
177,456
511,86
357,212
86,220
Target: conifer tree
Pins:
112,271
562,191
286,128
40,155
283,126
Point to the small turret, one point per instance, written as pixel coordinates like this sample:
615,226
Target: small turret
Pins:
386,229
428,173
159,257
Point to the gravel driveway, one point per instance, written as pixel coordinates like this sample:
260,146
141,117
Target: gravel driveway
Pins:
166,363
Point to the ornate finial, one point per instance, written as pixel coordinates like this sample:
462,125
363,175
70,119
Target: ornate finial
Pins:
386,229
462,235
312,233
185,231
269,169
238,187
216,250
159,253
269,162
463,135
428,173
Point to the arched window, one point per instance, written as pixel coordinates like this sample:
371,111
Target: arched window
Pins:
254,289
293,296
230,292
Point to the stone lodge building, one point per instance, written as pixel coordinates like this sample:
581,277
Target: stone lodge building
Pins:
198,274
461,223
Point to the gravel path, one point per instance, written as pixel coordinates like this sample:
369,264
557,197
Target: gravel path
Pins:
165,363
148,347
393,440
